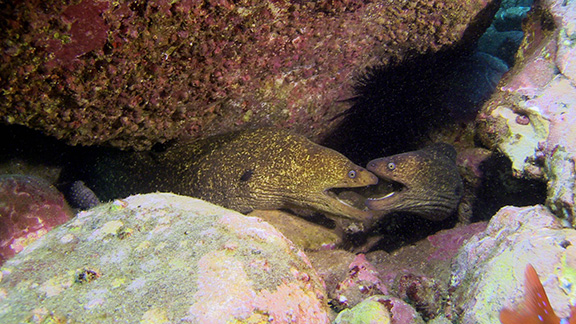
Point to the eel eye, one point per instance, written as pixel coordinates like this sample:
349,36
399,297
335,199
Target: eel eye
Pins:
351,174
391,166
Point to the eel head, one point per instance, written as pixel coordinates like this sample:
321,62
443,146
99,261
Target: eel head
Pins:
341,199
329,175
424,182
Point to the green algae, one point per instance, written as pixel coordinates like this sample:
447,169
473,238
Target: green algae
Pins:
369,311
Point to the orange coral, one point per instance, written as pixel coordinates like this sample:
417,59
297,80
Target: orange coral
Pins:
536,308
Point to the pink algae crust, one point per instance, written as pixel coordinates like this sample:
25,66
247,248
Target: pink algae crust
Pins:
532,117
29,208
488,273
131,74
228,288
87,32
362,281
402,312
447,243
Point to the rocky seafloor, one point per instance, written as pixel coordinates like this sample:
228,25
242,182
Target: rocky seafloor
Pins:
164,258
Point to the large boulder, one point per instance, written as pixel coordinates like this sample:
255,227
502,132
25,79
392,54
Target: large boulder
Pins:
532,116
29,208
162,258
488,272
133,73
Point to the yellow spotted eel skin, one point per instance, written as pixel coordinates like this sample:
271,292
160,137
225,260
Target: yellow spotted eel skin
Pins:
429,181
261,168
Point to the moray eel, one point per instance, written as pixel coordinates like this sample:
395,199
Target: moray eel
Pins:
428,180
80,196
253,169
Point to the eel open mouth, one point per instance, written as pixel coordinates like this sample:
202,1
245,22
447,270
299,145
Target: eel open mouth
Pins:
385,190
348,202
348,196
358,197
386,197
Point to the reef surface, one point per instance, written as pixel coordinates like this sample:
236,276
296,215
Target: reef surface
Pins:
532,116
133,73
162,258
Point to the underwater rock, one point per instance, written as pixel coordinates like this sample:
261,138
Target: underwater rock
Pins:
29,208
488,273
379,309
369,311
161,258
425,294
420,273
470,163
445,244
402,312
490,185
532,117
431,257
362,281
305,235
132,73
333,267
398,312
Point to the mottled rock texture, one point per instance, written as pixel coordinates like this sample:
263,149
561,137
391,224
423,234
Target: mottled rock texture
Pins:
29,208
133,73
370,310
380,309
419,273
488,272
162,258
532,116
362,281
306,235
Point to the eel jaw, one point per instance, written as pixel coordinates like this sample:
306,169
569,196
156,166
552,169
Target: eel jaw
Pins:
351,206
388,196
347,202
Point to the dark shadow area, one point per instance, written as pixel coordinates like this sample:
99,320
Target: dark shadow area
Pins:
20,142
28,151
396,230
395,109
500,188
396,106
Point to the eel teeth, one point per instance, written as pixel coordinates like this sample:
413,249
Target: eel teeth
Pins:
383,197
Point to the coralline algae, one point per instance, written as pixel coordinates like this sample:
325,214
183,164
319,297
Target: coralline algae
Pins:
29,208
489,269
133,73
161,258
369,311
531,117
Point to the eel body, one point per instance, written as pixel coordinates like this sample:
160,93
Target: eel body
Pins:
428,180
252,169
